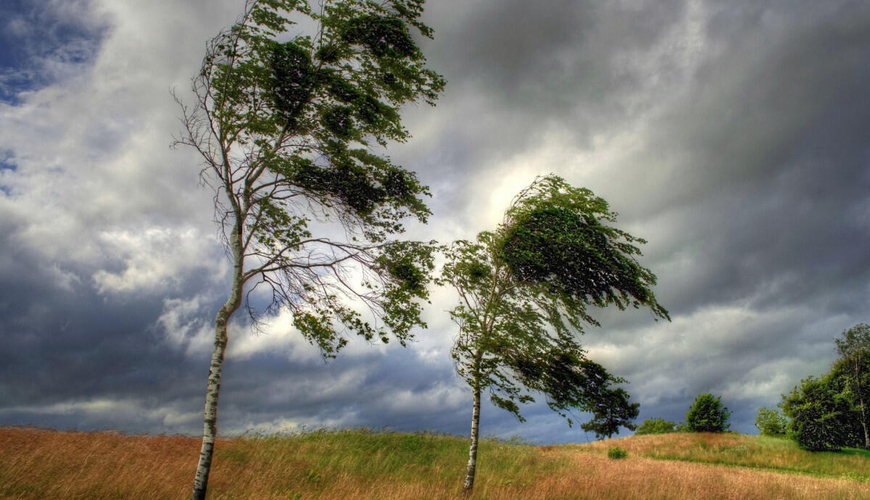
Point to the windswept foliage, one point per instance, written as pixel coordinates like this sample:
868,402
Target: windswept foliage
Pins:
708,414
289,130
524,292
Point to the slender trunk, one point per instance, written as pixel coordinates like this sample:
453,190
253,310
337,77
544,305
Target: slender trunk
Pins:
472,451
864,424
475,425
861,400
209,431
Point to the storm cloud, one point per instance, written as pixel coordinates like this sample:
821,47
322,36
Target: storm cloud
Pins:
732,136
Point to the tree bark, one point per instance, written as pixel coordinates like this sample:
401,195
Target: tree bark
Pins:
472,451
864,424
209,432
861,399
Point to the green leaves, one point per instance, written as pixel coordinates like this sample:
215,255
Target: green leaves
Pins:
524,290
285,126
656,426
707,414
770,422
610,412
819,419
554,238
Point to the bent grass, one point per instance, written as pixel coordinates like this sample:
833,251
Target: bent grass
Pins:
365,465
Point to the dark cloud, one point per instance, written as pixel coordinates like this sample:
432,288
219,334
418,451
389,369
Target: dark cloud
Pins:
732,136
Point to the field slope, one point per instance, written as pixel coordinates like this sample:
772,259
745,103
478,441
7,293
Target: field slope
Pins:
364,465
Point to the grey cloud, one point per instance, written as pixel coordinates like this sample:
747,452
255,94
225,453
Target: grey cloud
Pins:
731,136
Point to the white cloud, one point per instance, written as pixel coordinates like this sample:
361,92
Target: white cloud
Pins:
156,258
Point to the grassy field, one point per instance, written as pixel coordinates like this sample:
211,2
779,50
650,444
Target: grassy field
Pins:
777,454
363,465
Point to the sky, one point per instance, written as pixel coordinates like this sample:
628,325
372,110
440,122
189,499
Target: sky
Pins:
732,136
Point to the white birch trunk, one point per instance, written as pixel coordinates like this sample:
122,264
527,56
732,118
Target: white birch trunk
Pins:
209,432
472,451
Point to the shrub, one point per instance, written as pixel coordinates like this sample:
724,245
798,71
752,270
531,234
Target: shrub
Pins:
707,414
655,426
770,422
617,453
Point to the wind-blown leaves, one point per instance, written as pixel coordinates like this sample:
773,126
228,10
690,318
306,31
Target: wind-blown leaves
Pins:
524,292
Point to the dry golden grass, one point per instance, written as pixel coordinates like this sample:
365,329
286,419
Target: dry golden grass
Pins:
359,465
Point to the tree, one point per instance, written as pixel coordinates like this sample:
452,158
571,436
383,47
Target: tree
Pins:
770,422
821,419
656,426
707,414
854,350
524,290
288,132
611,412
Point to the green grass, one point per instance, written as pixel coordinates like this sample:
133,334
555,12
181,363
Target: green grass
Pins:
759,452
376,456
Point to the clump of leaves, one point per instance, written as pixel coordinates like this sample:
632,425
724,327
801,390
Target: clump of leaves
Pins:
566,248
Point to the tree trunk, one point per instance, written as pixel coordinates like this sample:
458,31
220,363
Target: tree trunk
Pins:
472,451
861,399
864,424
213,388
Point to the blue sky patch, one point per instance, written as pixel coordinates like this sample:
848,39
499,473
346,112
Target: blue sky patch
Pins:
34,38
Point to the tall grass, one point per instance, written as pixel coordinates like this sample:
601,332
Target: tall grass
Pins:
365,465
779,454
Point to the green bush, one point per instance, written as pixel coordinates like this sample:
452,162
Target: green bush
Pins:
821,419
770,422
707,414
617,453
655,426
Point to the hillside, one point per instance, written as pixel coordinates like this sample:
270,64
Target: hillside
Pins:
365,465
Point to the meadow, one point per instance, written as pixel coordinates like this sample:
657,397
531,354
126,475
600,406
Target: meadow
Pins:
364,465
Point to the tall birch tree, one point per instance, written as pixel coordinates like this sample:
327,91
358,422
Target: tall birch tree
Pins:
524,293
289,126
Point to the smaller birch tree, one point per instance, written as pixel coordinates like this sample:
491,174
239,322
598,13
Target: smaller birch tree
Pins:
524,290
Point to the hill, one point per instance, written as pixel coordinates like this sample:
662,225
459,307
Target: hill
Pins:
365,465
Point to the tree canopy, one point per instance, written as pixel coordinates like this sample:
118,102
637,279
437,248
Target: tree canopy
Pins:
611,412
708,414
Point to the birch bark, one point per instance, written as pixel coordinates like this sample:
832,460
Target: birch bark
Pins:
472,451
222,318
